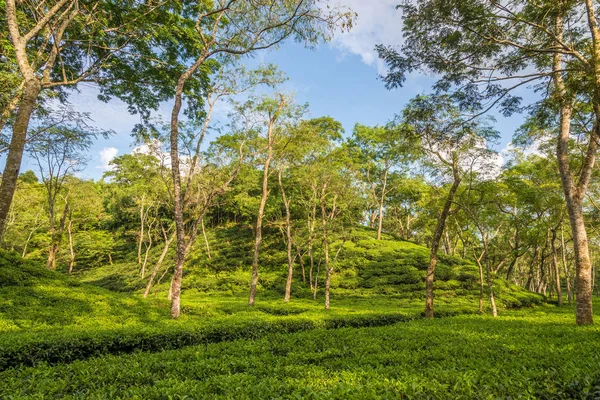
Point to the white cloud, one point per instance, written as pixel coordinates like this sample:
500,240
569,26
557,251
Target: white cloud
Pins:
106,156
378,22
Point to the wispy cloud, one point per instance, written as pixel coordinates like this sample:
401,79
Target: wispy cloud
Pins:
106,156
378,22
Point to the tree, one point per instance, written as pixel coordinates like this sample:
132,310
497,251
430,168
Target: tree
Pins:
381,150
236,28
321,137
487,50
338,198
230,80
119,46
140,193
453,145
58,154
273,113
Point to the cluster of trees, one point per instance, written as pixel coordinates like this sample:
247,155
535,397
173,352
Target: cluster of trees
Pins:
131,51
428,176
485,52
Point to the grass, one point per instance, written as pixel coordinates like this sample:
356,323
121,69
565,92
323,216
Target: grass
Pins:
48,317
536,353
93,335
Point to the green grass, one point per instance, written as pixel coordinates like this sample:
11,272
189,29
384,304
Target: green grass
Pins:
537,353
55,323
366,267
49,317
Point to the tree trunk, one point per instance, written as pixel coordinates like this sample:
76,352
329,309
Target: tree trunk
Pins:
478,259
158,264
583,268
311,232
529,284
31,233
301,261
56,237
381,201
205,238
10,175
71,251
141,235
175,288
574,193
288,225
540,287
326,254
316,285
447,244
490,280
327,277
564,262
435,243
148,247
259,219
556,269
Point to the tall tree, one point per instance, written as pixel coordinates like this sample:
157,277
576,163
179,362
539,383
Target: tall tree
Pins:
57,45
58,152
321,137
382,151
453,145
273,113
235,28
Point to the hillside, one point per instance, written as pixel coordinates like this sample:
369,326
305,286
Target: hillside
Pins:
365,267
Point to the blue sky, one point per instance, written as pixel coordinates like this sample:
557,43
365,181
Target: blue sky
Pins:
338,79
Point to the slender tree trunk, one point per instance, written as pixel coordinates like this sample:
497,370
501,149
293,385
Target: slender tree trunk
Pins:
316,285
327,272
301,261
31,233
556,269
52,232
529,285
564,262
435,243
326,254
159,263
541,283
490,278
10,175
141,235
481,285
205,238
148,247
288,226
175,288
516,255
311,232
447,244
56,237
372,218
381,202
259,219
71,251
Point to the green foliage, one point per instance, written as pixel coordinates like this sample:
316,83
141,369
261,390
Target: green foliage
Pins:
14,271
533,354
